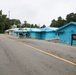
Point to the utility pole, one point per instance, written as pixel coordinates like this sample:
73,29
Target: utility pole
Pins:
9,14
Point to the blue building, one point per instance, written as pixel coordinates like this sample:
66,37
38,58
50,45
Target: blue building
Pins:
49,33
35,33
17,32
65,33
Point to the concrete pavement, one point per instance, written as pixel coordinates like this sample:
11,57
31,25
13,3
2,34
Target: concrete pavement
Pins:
19,59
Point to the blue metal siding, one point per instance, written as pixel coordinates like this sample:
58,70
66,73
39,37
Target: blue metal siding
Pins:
16,33
51,35
74,42
38,36
43,35
33,34
66,36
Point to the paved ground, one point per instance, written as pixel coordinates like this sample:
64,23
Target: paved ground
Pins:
62,50
30,57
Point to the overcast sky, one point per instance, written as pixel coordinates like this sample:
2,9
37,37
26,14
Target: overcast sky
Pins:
37,11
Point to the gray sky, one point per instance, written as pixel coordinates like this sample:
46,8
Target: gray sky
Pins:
38,11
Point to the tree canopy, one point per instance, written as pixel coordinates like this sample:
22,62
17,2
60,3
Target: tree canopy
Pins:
71,17
6,23
26,24
60,21
2,21
15,21
43,26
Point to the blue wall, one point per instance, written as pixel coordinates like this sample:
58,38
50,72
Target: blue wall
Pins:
66,34
38,35
51,35
33,34
43,33
16,33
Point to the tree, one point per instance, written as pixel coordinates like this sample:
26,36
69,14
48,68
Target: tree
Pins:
54,23
32,26
15,21
58,23
2,21
71,17
43,26
25,24
7,24
28,25
36,26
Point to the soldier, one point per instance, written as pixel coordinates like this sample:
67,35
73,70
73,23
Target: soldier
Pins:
21,35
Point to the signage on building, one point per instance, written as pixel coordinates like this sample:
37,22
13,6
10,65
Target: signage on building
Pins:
73,36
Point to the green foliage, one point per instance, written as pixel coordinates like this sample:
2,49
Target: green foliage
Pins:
18,26
15,21
0,12
36,26
60,22
54,23
32,26
28,25
20,29
43,26
2,22
25,28
71,17
7,24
